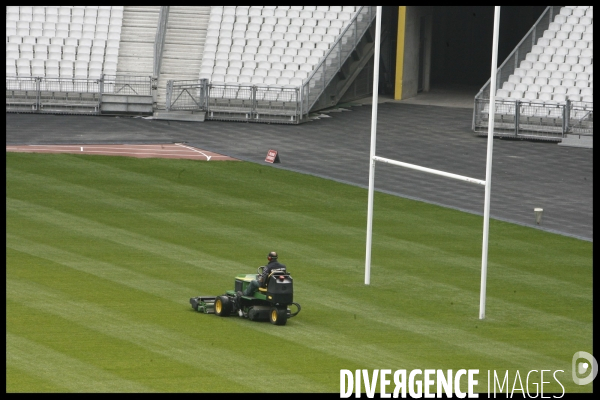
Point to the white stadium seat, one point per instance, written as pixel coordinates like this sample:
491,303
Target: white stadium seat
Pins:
110,58
554,82
537,49
564,67
570,76
288,73
545,73
587,92
81,73
521,87
260,72
249,64
296,81
562,35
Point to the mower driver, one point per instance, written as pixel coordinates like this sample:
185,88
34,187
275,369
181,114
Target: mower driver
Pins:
262,279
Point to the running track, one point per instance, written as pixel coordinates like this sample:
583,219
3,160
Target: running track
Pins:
176,150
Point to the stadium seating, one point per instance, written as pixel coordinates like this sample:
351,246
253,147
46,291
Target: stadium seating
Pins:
60,34
560,65
272,35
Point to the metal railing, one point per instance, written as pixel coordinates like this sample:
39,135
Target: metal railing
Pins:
235,102
128,85
581,118
277,104
51,95
530,119
323,73
66,95
186,95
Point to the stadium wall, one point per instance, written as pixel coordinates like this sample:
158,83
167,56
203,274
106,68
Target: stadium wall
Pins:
414,63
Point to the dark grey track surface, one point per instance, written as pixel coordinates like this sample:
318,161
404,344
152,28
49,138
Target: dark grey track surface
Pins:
525,174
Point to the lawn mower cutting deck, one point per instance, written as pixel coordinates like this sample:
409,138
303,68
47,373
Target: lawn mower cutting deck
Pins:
271,303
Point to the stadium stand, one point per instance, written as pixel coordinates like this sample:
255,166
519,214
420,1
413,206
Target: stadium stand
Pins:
273,32
272,63
65,59
548,94
58,34
267,58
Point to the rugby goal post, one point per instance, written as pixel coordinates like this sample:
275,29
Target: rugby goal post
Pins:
488,168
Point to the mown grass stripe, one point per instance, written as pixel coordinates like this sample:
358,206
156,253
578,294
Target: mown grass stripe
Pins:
85,227
446,262
329,298
97,166
89,228
67,373
193,222
410,248
157,339
121,276
453,336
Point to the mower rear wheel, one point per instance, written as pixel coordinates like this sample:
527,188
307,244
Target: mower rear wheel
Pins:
223,306
278,316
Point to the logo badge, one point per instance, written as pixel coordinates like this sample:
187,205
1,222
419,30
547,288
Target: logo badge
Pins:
581,368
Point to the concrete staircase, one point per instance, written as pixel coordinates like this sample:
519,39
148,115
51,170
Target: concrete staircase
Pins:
136,51
136,57
345,77
183,48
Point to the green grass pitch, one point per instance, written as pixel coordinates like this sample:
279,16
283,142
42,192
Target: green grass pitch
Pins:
103,254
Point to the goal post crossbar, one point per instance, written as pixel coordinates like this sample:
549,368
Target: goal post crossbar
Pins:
429,170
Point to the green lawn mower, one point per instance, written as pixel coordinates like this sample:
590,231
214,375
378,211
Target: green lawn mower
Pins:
271,303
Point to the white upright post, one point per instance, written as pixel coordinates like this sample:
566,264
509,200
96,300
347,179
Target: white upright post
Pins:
373,142
488,166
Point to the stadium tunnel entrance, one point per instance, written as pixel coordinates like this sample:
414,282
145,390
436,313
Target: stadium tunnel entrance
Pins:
449,48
